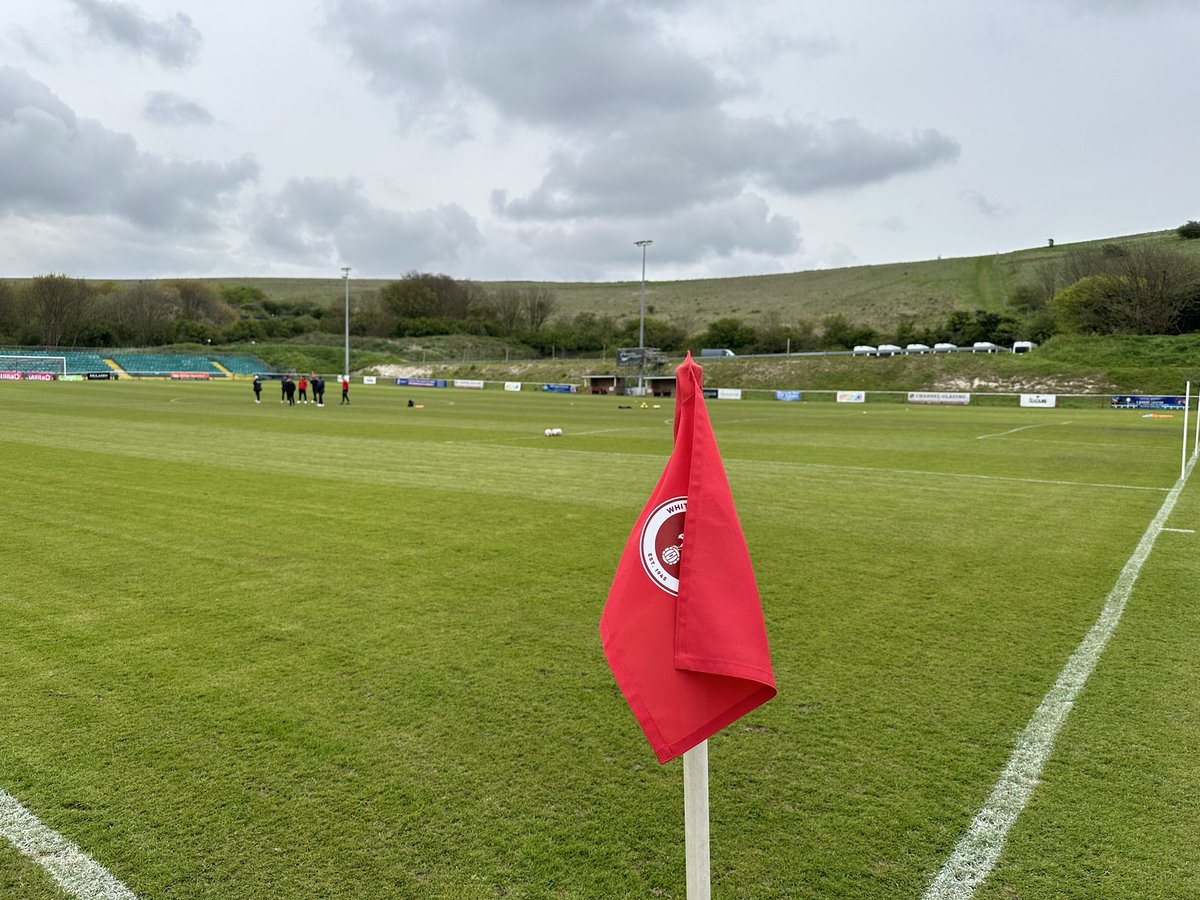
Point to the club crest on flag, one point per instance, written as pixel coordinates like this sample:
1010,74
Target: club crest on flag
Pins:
662,543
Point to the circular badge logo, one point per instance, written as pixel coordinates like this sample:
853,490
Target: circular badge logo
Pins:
662,543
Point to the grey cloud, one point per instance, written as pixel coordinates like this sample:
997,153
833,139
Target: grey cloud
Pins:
677,161
580,64
987,207
741,227
52,161
169,108
329,221
173,42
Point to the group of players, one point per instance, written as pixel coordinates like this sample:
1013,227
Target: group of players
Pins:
293,391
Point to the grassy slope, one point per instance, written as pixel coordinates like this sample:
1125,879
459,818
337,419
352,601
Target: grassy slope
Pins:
875,295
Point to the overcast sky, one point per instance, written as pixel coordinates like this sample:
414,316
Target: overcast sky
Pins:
538,139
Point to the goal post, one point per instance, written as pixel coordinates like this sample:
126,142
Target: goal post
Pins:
35,367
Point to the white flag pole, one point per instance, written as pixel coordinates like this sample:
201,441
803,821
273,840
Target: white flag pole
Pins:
1187,408
1196,439
695,821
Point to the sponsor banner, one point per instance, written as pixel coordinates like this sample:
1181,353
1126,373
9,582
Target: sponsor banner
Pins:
39,376
560,388
939,397
851,396
10,376
729,393
1046,400
101,376
189,376
514,386
368,379
709,393
788,396
70,378
471,384
1142,401
421,382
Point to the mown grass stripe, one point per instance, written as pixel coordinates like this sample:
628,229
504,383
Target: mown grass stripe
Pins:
976,853
74,871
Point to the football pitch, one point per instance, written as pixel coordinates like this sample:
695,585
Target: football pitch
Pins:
263,651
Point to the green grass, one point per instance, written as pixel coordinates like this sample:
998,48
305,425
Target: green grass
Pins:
353,652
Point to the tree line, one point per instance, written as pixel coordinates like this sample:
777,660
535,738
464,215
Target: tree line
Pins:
1110,289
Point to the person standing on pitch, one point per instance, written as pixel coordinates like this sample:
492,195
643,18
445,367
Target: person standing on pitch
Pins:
283,388
257,389
289,388
345,389
303,390
319,390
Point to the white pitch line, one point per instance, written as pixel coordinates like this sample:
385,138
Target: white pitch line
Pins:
1181,530
1022,428
74,871
977,851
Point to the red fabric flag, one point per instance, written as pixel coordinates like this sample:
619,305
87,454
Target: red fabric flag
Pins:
683,627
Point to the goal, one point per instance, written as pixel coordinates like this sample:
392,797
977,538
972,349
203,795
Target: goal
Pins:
38,367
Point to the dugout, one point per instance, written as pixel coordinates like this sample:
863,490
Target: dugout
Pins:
604,384
660,385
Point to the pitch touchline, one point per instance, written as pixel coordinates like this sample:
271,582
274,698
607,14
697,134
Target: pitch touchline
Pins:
978,850
74,871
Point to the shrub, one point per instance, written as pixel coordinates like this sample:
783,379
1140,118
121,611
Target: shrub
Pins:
1189,230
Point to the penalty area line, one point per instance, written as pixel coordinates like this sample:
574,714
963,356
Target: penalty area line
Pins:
72,869
977,851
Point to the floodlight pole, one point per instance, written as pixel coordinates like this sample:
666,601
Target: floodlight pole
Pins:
642,322
346,279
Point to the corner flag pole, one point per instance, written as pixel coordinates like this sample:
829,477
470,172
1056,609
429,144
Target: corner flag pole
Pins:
695,821
1187,408
1196,438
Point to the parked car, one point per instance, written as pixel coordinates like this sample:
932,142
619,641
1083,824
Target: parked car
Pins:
864,350
984,347
888,350
1023,346
944,348
917,348
716,351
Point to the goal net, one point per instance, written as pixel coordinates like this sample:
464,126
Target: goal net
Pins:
15,367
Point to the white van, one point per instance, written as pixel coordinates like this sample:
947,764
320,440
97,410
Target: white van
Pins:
1023,346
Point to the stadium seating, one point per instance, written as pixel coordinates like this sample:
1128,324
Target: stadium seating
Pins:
243,365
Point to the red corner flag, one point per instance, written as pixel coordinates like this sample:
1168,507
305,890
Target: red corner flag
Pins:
683,627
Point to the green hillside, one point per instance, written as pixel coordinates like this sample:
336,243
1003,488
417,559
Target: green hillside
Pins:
879,296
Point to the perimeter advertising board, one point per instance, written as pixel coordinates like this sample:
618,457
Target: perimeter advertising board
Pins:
1044,400
851,396
1142,401
729,393
788,396
421,382
939,397
514,386
471,384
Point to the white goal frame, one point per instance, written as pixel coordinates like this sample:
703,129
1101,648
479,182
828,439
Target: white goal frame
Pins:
16,362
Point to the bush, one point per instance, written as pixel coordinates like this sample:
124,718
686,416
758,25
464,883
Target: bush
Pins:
1189,230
